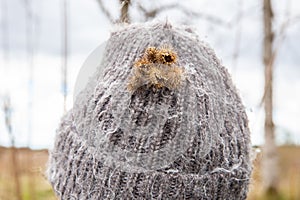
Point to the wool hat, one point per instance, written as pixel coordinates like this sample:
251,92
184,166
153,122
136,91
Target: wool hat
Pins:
159,119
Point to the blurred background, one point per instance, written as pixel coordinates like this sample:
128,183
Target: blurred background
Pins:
43,45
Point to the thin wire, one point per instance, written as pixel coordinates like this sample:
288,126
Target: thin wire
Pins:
30,57
7,108
65,52
5,53
5,31
238,36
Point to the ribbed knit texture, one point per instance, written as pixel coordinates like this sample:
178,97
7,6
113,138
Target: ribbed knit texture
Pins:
191,142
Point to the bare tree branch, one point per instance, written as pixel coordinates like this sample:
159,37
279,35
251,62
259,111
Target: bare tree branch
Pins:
105,11
152,13
210,18
7,108
270,153
238,35
125,11
280,38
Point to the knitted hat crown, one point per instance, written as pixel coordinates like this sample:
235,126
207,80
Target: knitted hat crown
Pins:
160,119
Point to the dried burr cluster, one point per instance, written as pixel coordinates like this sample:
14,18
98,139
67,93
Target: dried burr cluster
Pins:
158,68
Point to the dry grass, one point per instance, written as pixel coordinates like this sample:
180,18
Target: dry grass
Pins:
31,174
289,177
34,185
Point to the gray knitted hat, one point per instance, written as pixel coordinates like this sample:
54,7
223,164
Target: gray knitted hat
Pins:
160,119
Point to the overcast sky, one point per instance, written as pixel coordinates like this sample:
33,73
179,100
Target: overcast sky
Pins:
88,28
